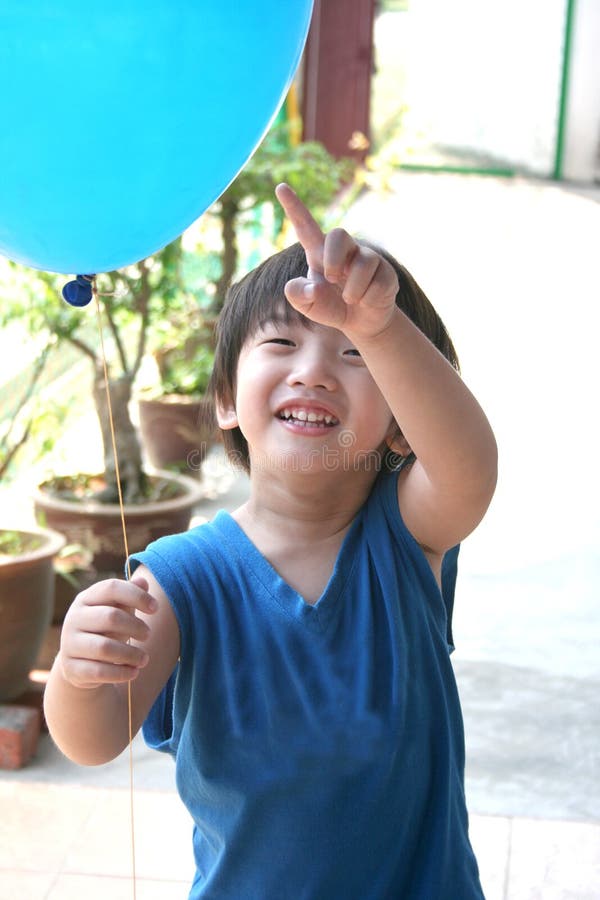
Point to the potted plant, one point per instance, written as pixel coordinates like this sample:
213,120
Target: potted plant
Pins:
26,564
84,506
177,423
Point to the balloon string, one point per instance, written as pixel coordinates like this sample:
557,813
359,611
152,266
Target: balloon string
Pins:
128,567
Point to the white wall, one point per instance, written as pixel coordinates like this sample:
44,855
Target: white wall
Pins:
485,76
582,136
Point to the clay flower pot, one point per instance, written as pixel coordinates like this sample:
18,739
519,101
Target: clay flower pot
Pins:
97,528
177,431
26,605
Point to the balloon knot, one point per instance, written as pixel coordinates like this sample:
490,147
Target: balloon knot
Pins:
80,291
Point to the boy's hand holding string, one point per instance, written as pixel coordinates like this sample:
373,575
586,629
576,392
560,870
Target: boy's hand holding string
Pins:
444,495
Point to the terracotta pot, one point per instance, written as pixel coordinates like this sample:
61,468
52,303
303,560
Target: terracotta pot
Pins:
26,605
97,526
177,431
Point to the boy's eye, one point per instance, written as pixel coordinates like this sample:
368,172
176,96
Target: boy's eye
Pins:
279,340
352,352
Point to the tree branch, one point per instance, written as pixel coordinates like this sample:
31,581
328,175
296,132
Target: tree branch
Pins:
8,450
5,461
81,346
143,306
229,254
116,337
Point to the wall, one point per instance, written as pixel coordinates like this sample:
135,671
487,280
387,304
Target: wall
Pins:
485,77
582,134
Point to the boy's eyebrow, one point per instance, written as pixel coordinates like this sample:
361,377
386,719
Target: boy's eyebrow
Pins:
283,317
272,319
278,318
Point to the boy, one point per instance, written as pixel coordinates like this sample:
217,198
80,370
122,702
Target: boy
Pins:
294,656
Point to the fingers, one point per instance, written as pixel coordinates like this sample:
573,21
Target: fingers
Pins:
349,286
341,259
330,255
132,595
95,660
97,632
307,229
318,300
369,280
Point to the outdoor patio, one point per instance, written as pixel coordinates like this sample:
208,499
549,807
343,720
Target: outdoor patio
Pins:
512,265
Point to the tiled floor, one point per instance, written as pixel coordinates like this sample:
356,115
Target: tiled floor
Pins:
63,842
534,859
59,842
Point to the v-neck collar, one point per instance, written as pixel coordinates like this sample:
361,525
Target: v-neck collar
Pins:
316,616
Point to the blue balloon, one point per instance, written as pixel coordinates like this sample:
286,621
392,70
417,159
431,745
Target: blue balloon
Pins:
123,120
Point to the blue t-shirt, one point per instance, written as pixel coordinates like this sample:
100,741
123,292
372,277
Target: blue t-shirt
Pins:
319,749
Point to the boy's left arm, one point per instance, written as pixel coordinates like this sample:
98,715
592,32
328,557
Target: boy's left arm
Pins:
445,493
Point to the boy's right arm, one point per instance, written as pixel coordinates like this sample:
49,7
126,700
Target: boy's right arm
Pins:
115,633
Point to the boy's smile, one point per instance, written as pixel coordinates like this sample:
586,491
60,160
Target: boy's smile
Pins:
307,383
306,416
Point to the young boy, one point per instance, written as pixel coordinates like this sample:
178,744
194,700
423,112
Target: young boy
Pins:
294,656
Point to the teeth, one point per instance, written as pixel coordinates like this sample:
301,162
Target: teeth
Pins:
303,416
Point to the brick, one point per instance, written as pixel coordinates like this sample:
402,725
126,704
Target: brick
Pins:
33,696
19,733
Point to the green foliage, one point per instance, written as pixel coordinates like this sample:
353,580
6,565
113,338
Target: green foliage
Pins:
131,297
186,370
181,341
394,5
82,486
307,167
13,543
30,422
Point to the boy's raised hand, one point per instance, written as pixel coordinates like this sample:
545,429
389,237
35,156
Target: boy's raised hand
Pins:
349,286
95,648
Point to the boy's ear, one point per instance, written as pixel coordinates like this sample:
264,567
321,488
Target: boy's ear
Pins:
396,441
226,415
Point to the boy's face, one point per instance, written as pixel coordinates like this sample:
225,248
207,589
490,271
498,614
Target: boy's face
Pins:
305,401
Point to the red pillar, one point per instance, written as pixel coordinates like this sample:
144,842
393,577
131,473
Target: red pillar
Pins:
338,64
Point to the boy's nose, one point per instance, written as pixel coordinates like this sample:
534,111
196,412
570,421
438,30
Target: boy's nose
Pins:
312,369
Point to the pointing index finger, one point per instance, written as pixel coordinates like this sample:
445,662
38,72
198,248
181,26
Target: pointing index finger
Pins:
307,229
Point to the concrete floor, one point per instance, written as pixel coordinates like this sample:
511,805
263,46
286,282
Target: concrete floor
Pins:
512,265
